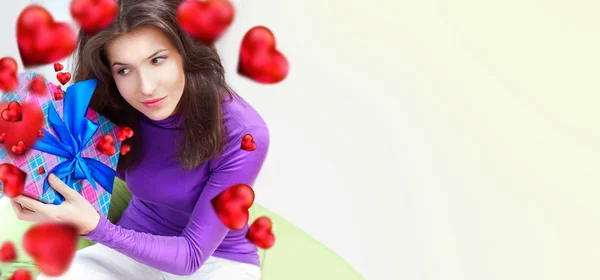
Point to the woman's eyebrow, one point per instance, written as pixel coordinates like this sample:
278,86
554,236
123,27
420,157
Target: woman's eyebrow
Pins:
152,55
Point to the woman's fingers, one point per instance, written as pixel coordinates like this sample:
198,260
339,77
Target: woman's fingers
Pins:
32,204
58,185
24,214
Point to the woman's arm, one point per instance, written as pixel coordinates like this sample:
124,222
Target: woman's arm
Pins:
185,254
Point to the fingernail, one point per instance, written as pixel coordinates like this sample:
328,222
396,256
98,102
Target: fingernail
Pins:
52,177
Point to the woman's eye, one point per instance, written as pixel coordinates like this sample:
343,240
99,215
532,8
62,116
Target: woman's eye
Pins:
123,71
159,59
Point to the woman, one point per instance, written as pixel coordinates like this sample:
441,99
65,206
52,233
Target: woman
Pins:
186,149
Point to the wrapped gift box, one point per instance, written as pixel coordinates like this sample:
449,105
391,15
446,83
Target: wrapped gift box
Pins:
55,153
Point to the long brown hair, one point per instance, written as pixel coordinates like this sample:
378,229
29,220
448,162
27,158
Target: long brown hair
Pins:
205,85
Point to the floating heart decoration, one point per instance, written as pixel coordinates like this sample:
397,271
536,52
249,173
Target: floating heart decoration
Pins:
94,15
260,233
232,205
205,21
41,170
124,133
125,149
2,137
8,74
63,77
259,59
21,274
13,180
58,95
248,143
58,67
106,145
41,40
13,112
19,148
25,130
8,252
52,246
37,85
40,133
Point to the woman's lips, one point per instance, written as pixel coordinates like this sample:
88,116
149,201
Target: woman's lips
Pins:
153,102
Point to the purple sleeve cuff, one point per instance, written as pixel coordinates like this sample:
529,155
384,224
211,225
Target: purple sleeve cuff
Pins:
99,230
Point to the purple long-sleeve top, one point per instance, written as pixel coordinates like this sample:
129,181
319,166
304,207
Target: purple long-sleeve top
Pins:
170,223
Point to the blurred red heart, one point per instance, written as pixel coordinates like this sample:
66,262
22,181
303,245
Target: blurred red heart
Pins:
2,137
40,133
248,143
21,274
19,148
125,149
41,40
205,21
37,85
63,77
24,130
260,233
58,95
13,179
106,145
52,246
8,74
41,170
94,15
232,206
58,67
8,252
13,112
259,59
124,133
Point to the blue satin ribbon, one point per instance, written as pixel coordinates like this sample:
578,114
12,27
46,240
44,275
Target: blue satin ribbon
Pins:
74,133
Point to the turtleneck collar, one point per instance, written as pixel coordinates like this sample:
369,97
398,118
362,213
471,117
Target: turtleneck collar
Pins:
172,122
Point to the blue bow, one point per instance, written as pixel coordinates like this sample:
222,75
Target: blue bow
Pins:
74,133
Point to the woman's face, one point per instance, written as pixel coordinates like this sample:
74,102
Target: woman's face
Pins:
148,71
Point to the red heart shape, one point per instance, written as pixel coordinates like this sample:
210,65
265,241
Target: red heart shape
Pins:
58,95
260,233
205,21
259,59
41,40
41,170
124,133
13,112
8,252
2,137
24,130
21,274
248,143
58,67
13,179
106,145
40,133
37,85
125,149
63,77
8,74
19,148
94,15
52,246
232,206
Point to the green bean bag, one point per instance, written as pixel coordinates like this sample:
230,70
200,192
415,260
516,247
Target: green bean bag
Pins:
295,254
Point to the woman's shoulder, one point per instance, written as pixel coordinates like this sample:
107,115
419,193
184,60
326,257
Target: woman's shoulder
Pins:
240,116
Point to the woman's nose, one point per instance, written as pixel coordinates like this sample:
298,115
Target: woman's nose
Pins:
147,83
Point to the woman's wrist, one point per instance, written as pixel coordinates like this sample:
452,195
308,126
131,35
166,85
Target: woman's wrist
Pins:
93,224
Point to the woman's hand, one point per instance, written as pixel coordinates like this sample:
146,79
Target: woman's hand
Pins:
75,210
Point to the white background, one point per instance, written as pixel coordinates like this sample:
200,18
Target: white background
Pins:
428,139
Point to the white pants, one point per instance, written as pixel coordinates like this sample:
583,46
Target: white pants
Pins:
99,262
